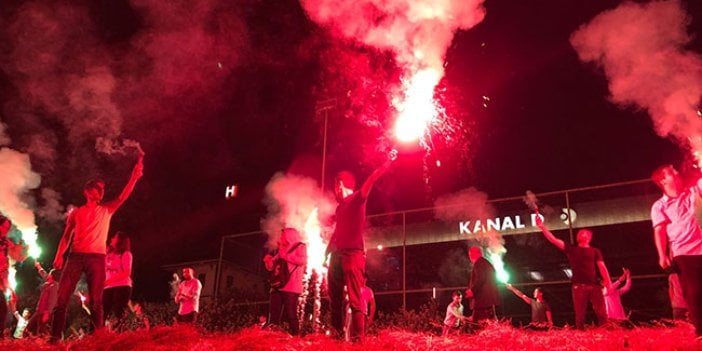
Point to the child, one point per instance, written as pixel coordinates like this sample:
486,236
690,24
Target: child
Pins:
454,315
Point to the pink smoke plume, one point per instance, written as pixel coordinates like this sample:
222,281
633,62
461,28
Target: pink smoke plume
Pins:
291,200
418,33
472,204
641,48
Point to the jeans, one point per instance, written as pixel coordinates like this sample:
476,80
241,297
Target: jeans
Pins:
3,313
582,293
93,265
347,268
690,269
115,301
284,303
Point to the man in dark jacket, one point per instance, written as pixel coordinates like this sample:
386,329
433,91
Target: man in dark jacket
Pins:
483,286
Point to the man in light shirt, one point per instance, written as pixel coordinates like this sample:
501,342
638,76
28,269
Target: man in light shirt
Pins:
188,297
676,229
86,233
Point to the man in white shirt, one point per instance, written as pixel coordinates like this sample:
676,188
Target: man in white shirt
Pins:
188,297
676,228
86,232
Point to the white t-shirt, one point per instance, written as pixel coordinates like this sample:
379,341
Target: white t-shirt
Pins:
91,228
678,214
117,263
452,313
189,292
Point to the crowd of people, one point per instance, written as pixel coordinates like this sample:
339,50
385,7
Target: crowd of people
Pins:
107,264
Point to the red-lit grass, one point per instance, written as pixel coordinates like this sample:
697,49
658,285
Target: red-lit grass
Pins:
495,337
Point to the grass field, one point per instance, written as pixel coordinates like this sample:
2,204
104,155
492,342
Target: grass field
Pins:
494,337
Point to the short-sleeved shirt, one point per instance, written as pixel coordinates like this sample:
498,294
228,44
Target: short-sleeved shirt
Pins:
116,263
583,263
538,311
451,320
350,223
191,288
682,227
91,228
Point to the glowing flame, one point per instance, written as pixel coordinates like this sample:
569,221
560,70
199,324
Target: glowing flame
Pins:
418,108
315,245
499,265
82,297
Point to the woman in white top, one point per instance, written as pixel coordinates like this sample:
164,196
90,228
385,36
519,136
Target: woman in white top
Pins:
118,278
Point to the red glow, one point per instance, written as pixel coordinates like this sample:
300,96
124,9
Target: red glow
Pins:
417,109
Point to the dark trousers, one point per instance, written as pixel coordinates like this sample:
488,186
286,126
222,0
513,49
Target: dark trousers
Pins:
115,301
189,318
35,324
284,303
347,268
3,313
582,293
93,265
483,313
690,269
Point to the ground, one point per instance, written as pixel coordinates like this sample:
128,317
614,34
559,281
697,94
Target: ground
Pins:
497,337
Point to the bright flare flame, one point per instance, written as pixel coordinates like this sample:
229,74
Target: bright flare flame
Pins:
499,265
418,108
315,244
30,236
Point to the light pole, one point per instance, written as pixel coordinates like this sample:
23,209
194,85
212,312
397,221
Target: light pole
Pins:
323,107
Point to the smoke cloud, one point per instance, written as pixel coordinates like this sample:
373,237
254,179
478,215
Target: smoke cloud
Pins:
418,32
291,200
641,48
472,203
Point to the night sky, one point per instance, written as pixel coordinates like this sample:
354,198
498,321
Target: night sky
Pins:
221,93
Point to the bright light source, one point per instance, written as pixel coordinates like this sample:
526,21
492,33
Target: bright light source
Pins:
568,272
534,275
380,247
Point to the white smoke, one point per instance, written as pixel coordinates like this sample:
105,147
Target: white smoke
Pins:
641,48
473,204
291,199
417,31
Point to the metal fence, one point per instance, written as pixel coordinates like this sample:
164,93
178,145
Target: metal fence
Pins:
418,255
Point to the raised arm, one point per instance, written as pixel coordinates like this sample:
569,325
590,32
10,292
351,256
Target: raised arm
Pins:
137,172
627,283
368,185
518,293
65,241
660,237
607,280
547,233
41,270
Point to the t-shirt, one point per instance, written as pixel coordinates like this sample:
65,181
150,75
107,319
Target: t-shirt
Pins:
452,310
21,326
613,301
583,263
189,291
682,227
91,228
116,263
48,297
350,223
538,311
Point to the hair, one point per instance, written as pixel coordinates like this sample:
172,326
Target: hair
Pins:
539,289
93,183
457,293
347,178
124,244
657,174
